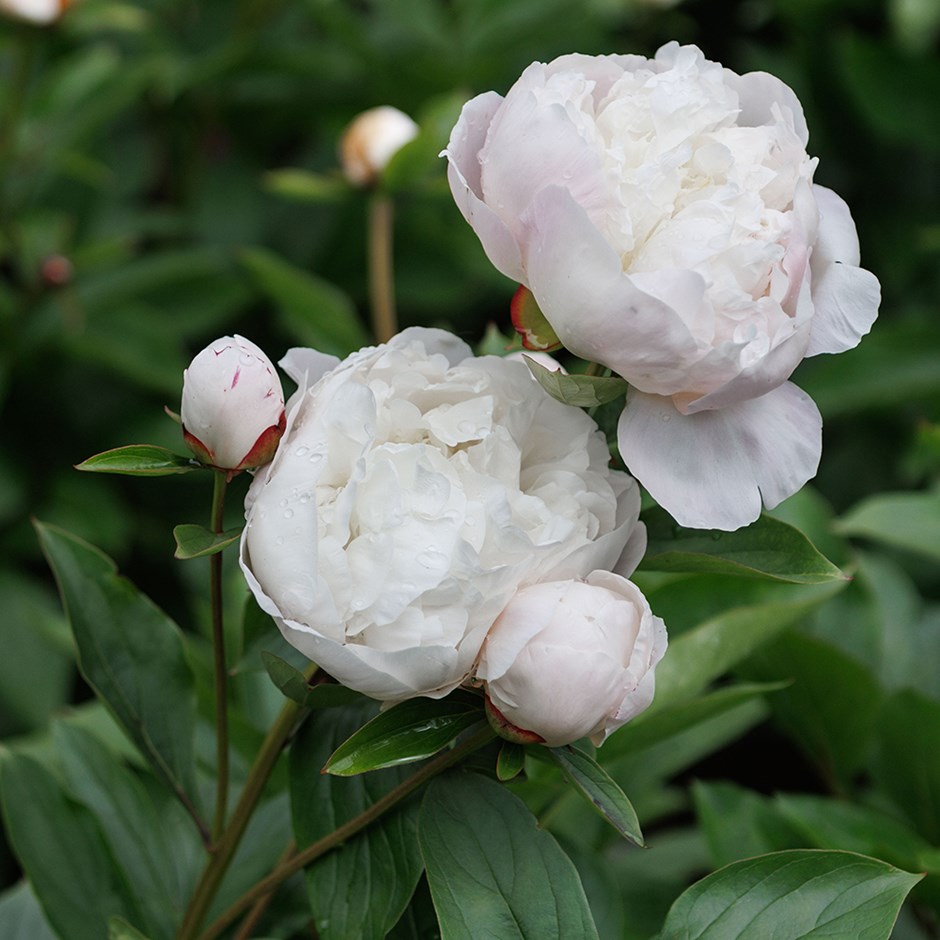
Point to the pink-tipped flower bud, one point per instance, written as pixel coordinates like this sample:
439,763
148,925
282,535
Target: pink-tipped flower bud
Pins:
42,12
371,140
233,405
571,659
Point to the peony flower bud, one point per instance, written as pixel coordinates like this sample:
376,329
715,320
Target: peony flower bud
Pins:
233,405
42,12
571,659
371,140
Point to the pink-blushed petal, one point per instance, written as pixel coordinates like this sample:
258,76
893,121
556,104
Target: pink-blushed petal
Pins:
463,175
846,297
596,310
758,92
712,470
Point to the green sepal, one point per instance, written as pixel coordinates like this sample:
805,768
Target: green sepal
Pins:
510,761
294,685
582,391
139,460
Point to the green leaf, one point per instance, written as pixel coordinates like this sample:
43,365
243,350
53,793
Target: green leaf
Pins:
410,731
304,186
358,891
315,311
492,871
21,917
599,789
530,323
907,764
905,520
792,895
139,460
62,850
709,650
132,655
120,929
829,708
130,818
294,685
768,548
650,728
196,541
510,761
582,391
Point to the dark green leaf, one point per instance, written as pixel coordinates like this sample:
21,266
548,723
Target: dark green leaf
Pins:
294,685
304,186
410,731
196,541
652,727
905,520
139,460
492,871
358,891
582,391
510,761
599,789
132,655
120,929
21,917
63,852
907,765
768,548
792,895
317,312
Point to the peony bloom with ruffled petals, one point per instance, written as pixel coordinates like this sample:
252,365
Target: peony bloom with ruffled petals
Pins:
663,214
416,488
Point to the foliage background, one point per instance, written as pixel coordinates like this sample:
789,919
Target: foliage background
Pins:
168,175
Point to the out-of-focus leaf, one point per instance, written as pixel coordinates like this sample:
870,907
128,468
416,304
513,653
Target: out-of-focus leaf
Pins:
907,764
831,705
318,313
196,541
120,929
21,917
142,460
410,731
905,520
305,186
768,548
358,891
582,391
79,887
792,895
479,841
599,789
292,683
141,674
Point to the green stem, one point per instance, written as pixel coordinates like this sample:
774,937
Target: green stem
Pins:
381,276
215,869
348,829
221,670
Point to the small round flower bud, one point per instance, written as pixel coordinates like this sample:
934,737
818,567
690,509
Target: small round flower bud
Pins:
41,12
233,406
571,659
371,140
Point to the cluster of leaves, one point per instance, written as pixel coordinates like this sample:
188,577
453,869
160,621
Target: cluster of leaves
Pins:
167,174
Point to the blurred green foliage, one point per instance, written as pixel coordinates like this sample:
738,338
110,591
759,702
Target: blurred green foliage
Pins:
168,174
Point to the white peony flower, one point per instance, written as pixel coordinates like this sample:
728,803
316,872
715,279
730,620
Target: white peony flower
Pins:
233,406
662,212
371,140
571,659
415,490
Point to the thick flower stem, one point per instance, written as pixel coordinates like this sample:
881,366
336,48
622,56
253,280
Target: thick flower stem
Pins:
348,829
381,276
215,869
221,670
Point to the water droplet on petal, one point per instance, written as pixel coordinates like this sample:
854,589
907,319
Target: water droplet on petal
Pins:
288,513
301,451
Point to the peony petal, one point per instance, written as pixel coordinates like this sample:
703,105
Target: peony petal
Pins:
846,297
712,470
463,174
598,312
758,92
307,366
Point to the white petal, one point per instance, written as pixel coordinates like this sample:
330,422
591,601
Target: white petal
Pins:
711,470
463,174
846,297
307,366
